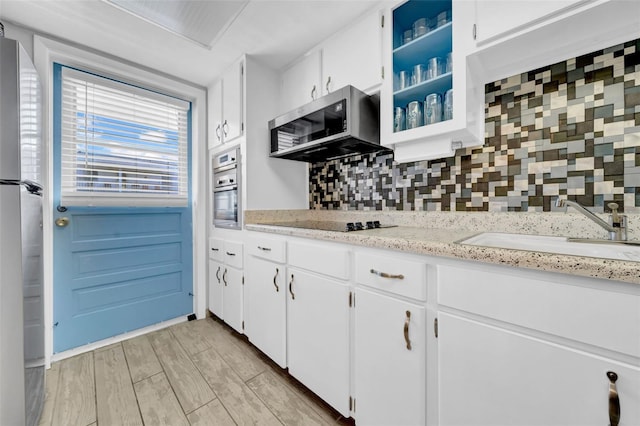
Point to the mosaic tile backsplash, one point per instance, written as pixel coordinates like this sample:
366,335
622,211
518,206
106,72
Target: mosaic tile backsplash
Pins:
569,129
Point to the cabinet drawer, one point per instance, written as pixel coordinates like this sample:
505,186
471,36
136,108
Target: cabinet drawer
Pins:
324,259
233,254
216,249
602,318
404,277
267,248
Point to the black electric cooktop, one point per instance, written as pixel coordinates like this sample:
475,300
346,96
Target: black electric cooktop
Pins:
323,225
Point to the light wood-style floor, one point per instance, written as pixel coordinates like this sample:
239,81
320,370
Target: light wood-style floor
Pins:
194,373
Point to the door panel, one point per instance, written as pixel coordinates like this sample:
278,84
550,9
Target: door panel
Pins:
318,336
232,298
116,271
267,308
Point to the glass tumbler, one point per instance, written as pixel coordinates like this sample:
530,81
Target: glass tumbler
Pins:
420,27
407,36
399,120
432,108
448,105
419,73
414,115
434,68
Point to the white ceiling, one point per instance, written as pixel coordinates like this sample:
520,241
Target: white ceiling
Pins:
277,31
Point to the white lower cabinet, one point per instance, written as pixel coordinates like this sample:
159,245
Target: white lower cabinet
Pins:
389,360
318,335
232,298
267,310
225,299
493,376
216,288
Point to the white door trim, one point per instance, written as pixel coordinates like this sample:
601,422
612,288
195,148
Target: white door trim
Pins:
45,53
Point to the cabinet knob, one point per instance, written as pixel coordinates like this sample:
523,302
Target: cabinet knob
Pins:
614,400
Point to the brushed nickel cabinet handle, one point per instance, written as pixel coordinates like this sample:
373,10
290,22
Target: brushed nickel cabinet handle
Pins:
274,280
293,296
218,274
264,248
327,85
313,93
614,400
406,330
226,132
224,277
215,249
218,132
385,275
230,254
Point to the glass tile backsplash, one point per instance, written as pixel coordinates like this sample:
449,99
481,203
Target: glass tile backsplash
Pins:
569,129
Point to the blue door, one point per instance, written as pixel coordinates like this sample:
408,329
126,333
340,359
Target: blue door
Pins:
116,269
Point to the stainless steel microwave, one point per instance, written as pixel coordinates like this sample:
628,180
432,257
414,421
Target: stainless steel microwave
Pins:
341,123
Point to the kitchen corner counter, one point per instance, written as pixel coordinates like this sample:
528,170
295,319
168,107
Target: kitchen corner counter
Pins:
442,242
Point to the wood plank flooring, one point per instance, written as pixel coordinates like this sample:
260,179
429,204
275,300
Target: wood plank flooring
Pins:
198,373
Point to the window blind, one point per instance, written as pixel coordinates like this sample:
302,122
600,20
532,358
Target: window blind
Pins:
121,145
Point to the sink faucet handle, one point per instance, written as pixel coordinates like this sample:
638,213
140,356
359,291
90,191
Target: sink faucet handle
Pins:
615,218
560,203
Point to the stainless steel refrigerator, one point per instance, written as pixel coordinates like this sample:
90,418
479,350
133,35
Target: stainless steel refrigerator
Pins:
21,289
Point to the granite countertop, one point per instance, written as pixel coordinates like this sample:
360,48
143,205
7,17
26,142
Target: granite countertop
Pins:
442,241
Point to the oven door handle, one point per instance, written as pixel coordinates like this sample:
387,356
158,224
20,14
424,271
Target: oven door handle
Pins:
233,187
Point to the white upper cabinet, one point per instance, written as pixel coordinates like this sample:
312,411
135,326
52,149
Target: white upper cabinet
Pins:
354,56
225,106
513,37
430,104
301,82
500,18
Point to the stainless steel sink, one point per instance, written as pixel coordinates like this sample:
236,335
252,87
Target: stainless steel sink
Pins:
619,250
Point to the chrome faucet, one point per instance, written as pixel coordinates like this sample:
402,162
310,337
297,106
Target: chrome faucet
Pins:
617,226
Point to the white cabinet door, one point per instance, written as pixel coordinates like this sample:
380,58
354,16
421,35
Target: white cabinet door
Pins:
389,374
232,95
214,100
500,18
318,336
490,376
224,101
301,82
266,315
216,288
354,56
232,298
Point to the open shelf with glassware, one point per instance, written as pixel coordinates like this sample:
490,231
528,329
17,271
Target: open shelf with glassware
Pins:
425,99
422,41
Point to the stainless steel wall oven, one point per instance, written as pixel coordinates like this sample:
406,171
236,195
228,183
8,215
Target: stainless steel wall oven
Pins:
226,189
